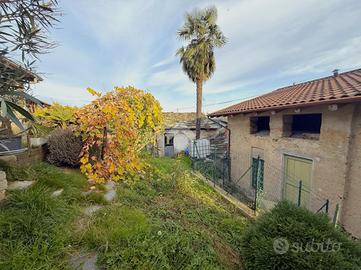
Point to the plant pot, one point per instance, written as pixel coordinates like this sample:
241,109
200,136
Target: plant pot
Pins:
37,142
12,143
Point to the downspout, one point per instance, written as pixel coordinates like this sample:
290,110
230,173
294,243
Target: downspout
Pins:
228,147
347,186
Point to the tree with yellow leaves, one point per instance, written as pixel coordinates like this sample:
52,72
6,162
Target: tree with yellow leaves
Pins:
115,127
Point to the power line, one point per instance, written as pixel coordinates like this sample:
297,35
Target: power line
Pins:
218,103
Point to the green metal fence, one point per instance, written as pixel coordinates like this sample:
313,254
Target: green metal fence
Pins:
252,189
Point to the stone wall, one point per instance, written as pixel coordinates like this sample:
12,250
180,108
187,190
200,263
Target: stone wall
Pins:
351,211
329,155
3,185
31,156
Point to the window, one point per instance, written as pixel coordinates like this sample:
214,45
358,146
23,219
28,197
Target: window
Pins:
168,139
307,126
257,173
260,125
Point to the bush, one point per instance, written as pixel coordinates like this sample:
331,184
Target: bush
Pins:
289,237
64,148
56,116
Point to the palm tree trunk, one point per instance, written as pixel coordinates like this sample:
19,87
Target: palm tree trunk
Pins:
199,108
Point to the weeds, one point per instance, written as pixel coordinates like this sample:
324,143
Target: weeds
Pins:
168,220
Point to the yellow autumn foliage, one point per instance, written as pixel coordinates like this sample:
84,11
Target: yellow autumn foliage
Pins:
115,128
56,116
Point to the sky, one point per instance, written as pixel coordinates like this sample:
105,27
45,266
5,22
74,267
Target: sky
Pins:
271,43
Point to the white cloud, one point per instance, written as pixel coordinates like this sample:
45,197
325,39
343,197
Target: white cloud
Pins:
134,42
53,91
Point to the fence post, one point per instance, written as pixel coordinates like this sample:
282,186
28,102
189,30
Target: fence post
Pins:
256,187
299,193
327,205
335,216
223,172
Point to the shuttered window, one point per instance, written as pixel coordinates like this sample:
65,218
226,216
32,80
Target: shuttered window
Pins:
257,170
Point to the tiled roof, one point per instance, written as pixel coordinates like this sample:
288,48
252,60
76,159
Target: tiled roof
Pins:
206,124
343,88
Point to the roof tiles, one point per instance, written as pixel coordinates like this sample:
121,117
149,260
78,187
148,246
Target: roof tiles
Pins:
345,87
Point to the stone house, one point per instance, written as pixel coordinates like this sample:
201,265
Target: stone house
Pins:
309,132
180,131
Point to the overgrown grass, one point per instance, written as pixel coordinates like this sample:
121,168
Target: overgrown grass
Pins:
168,220
177,222
34,226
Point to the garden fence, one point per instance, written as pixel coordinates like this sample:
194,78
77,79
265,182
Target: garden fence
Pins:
257,191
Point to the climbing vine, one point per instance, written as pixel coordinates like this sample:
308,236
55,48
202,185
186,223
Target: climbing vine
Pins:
115,128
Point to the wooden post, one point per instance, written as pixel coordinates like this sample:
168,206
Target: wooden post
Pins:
256,187
335,216
327,205
299,193
104,143
28,144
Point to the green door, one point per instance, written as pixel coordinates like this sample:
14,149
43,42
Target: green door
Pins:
257,173
296,170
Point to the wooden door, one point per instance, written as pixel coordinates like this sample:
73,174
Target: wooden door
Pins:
297,169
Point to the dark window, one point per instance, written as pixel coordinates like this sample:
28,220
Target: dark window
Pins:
169,139
302,125
257,173
310,123
260,125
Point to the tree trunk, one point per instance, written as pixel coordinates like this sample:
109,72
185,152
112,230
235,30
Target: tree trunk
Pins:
199,108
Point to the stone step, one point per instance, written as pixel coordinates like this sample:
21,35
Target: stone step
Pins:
19,185
84,261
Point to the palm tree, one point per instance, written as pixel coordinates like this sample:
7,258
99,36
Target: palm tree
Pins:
197,58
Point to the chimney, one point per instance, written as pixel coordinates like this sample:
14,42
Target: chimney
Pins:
335,72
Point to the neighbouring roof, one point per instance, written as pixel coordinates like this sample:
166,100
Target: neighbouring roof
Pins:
11,64
206,124
171,118
343,88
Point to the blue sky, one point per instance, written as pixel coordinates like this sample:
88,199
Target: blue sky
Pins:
271,43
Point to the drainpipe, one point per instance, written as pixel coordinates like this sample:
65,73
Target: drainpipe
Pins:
228,147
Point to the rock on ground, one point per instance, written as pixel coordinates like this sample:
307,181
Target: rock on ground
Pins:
90,210
57,193
110,195
109,185
84,261
15,185
3,185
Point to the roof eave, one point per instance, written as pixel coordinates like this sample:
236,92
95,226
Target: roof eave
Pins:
290,106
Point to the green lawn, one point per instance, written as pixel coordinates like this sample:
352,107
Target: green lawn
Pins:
169,219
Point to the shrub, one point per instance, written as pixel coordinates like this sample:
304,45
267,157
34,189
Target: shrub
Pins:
64,148
56,116
119,125
294,228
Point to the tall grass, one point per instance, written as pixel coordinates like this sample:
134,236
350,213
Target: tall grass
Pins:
169,219
34,226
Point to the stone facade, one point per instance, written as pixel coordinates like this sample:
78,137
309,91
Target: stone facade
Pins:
3,185
335,156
